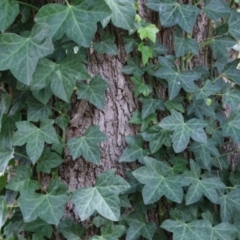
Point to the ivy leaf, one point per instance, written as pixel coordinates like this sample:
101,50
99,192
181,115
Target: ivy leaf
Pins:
9,9
103,197
49,207
141,87
86,145
48,160
5,155
34,137
233,23
231,98
157,182
183,131
157,138
71,230
123,13
197,229
110,232
176,79
201,186
148,31
232,127
130,43
216,9
229,203
182,45
223,231
77,21
60,76
172,13
21,55
133,67
175,103
147,52
134,150
150,105
94,92
204,151
232,72
107,45
39,226
138,227
22,180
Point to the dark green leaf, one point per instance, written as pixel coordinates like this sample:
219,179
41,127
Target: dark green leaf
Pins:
175,103
3,211
231,97
5,155
233,24
94,92
223,231
77,21
232,72
107,45
130,43
21,55
141,87
133,67
103,197
49,206
9,10
86,145
34,137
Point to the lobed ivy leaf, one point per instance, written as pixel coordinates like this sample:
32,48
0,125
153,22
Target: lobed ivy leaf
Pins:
21,54
216,9
130,43
147,52
110,232
78,21
49,207
223,231
86,145
48,160
141,87
94,92
22,180
5,155
71,230
107,45
103,197
9,9
133,67
197,229
150,31
175,103
232,72
34,137
138,227
158,181
60,76
123,13
172,13
184,130
176,79
200,186
233,24
231,98
134,151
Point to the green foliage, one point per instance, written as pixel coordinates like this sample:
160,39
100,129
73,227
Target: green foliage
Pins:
182,164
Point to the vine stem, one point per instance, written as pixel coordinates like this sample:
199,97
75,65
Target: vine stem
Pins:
225,154
28,5
21,155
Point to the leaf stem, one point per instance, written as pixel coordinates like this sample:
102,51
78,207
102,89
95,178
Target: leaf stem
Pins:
21,155
66,1
28,5
225,154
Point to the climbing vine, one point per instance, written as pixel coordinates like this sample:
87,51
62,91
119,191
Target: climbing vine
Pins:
186,173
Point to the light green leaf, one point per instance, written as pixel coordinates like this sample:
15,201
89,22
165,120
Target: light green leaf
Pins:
107,45
134,151
123,13
22,180
110,232
172,13
9,9
71,230
150,31
34,137
150,105
48,160
138,227
147,52
103,197
184,130
176,79
133,67
5,155
233,24
201,186
94,92
21,55
197,230
216,9
86,145
77,21
157,183
39,226
49,207
223,231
